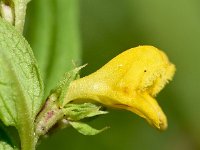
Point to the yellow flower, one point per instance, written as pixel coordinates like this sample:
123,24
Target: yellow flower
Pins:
129,81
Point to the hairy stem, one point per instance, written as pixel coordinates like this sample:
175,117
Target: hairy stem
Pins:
48,117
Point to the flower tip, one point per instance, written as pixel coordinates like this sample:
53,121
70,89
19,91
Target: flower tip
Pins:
162,124
147,107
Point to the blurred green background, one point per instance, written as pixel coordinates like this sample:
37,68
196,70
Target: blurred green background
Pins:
58,29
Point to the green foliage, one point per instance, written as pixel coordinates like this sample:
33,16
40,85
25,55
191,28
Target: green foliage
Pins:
9,135
21,88
20,80
77,112
6,146
56,113
85,129
62,87
53,33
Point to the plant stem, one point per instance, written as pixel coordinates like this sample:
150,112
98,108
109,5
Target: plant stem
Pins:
7,11
49,116
20,13
14,11
27,140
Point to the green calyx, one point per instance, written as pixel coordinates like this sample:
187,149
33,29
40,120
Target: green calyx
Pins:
56,116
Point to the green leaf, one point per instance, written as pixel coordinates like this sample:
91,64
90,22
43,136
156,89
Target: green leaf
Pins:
41,23
85,129
21,87
9,135
77,112
63,85
6,146
66,44
56,22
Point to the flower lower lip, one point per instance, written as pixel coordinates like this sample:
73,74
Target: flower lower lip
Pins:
149,110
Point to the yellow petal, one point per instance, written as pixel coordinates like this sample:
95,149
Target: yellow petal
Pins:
129,81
